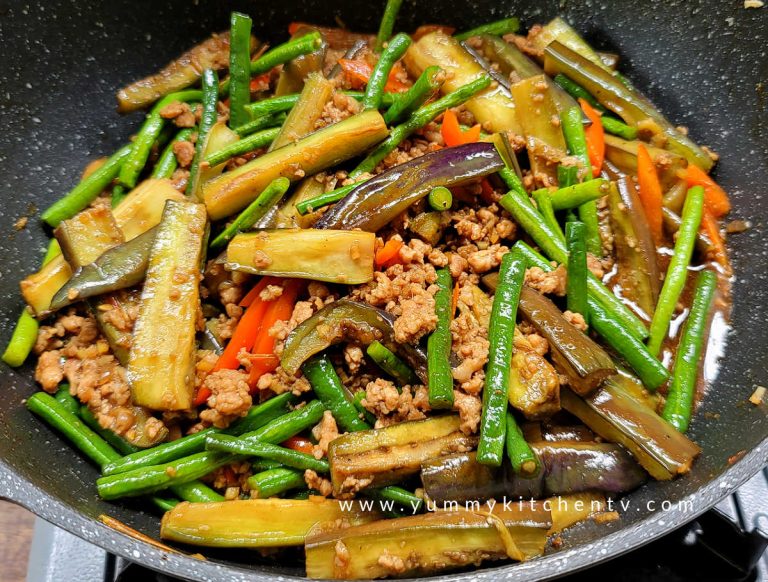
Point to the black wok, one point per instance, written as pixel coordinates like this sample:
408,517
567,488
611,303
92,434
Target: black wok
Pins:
702,61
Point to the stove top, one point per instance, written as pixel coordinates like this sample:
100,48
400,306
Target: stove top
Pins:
726,543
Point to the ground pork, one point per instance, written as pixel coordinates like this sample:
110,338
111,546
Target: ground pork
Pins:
406,292
120,310
390,406
184,152
230,477
339,107
321,485
324,432
576,320
280,381
353,357
181,114
469,407
547,282
230,397
487,224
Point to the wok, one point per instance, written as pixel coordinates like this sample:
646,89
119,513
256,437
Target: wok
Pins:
701,61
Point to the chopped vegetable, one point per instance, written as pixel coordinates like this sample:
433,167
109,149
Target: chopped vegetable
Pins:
389,252
523,460
247,144
308,110
387,24
576,289
290,458
650,192
595,137
497,28
273,482
425,87
440,381
391,364
328,388
440,198
374,90
208,119
452,132
239,68
715,198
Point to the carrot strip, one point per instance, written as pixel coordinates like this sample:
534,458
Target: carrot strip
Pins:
715,198
487,192
388,252
251,296
263,359
452,133
595,135
455,300
650,192
298,443
358,73
711,228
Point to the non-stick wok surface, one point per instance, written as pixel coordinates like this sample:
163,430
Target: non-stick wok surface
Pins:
702,62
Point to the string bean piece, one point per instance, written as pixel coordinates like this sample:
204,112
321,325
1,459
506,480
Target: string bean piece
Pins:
387,24
617,127
682,389
544,206
428,83
522,458
567,176
247,144
375,88
325,198
273,482
280,54
391,364
578,194
440,198
576,284
577,91
239,68
497,28
490,447
329,389
66,399
439,345
261,122
271,195
419,119
166,164
513,182
228,444
87,190
114,440
399,495
210,98
677,271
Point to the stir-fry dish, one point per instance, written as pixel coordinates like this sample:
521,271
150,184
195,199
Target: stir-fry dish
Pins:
351,292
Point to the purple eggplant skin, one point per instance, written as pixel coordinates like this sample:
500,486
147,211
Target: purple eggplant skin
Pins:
379,200
567,467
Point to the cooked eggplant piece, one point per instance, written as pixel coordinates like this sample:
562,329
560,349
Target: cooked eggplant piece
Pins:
256,523
428,226
493,108
336,256
638,269
536,107
219,137
585,363
296,72
378,457
170,300
547,432
623,154
213,53
617,416
119,267
534,387
308,109
314,153
140,211
568,510
567,467
376,202
347,320
622,100
559,30
426,544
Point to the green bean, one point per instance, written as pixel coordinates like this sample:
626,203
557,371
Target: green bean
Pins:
391,364
577,91
303,494
567,176
497,28
56,415
119,192
255,210
148,134
375,88
678,268
159,477
387,24
357,402
490,447
115,441
576,284
522,458
588,215
257,417
682,388
527,217
439,345
222,443
328,388
196,492
247,144
87,190
428,83
419,119
22,340
324,199
513,181
258,465
164,504
288,425
440,198
617,127
544,206
166,164
650,371
65,398
210,98
398,495
259,109
275,481
578,194
239,68
262,122
280,54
